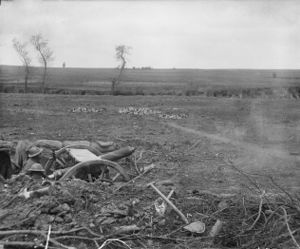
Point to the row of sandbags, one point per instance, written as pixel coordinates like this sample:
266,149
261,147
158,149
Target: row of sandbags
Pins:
98,147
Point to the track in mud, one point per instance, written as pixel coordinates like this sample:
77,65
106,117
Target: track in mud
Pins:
247,146
256,160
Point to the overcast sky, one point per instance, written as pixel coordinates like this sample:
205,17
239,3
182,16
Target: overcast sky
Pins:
162,34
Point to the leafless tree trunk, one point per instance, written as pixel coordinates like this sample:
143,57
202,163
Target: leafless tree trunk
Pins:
44,77
113,86
45,54
26,60
121,52
26,79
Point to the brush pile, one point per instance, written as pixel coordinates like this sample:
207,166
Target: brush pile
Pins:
75,213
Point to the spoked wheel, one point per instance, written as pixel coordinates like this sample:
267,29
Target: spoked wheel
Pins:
103,169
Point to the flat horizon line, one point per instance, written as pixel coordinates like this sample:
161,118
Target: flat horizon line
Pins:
157,68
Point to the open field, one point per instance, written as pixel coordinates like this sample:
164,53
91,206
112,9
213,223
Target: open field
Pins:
206,147
258,135
157,81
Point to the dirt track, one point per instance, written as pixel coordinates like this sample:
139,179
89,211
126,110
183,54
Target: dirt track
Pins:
252,148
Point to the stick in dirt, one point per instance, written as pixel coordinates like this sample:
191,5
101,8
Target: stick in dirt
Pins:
169,202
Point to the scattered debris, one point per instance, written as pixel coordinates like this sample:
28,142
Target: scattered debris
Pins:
145,111
151,184
71,211
87,109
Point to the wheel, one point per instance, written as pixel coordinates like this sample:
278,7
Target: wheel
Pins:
104,169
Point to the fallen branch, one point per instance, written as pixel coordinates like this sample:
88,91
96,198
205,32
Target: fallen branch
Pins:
259,212
289,229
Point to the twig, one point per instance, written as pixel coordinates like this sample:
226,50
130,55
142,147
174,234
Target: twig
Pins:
91,232
96,243
151,166
161,238
48,237
254,183
76,230
77,237
9,202
281,188
34,232
174,231
15,224
259,211
195,144
140,156
23,243
289,229
245,210
108,241
285,235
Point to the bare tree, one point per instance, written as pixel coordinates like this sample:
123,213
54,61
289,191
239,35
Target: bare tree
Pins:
24,56
122,52
45,54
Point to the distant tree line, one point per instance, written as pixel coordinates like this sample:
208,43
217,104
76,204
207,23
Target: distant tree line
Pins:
142,68
45,56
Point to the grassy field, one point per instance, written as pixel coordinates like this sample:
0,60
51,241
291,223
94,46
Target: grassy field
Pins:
151,81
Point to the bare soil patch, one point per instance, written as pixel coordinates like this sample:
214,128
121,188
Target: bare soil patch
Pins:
195,152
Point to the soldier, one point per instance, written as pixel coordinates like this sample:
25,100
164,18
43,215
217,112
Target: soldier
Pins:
34,156
36,172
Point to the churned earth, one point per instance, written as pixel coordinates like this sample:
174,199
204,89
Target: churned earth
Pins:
199,143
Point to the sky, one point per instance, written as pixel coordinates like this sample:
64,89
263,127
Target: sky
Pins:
262,34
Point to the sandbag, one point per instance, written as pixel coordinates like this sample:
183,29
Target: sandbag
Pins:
97,147
6,145
118,154
105,147
83,144
49,144
78,142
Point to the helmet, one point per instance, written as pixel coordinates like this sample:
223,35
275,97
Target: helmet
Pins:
36,167
34,151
